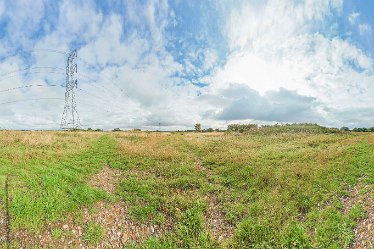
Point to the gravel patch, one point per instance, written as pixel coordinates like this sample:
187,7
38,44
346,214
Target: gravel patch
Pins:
2,228
364,231
215,219
106,179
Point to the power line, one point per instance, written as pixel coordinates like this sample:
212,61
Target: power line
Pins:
28,73
56,85
25,100
108,81
56,68
30,68
29,86
49,50
70,117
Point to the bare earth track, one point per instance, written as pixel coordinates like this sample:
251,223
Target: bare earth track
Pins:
106,179
364,231
2,227
113,217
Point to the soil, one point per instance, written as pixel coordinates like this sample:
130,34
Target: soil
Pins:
3,226
364,231
215,219
106,179
118,228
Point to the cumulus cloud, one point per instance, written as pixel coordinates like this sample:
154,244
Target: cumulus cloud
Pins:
143,64
240,102
277,46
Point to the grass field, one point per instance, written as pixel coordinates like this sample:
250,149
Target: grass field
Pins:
270,189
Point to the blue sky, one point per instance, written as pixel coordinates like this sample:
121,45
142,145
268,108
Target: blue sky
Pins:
177,63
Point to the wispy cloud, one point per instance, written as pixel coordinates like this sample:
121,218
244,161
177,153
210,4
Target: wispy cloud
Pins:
364,29
353,17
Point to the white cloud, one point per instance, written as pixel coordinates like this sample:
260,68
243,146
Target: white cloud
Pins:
139,65
364,29
279,67
24,19
353,17
240,102
78,20
2,9
272,22
276,47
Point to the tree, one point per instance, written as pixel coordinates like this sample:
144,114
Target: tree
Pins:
198,127
344,128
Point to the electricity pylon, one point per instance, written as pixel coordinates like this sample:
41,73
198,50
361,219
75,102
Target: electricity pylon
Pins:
70,116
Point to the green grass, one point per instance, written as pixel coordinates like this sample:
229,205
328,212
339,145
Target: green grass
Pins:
47,181
274,187
279,189
93,234
43,189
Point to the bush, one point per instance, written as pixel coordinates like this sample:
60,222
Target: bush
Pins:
360,129
242,127
297,127
344,128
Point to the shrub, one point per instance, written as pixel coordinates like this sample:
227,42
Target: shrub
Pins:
241,127
344,128
198,127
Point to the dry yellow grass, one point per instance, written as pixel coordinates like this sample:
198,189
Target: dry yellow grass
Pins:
151,144
28,145
371,139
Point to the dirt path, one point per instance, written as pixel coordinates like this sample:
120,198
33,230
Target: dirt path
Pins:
106,179
113,217
3,225
364,231
4,216
215,220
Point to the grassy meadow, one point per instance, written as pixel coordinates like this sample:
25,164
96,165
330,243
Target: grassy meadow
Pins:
274,188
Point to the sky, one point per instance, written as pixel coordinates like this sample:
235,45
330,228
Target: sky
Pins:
159,64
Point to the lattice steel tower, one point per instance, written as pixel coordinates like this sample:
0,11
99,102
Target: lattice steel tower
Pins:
70,116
